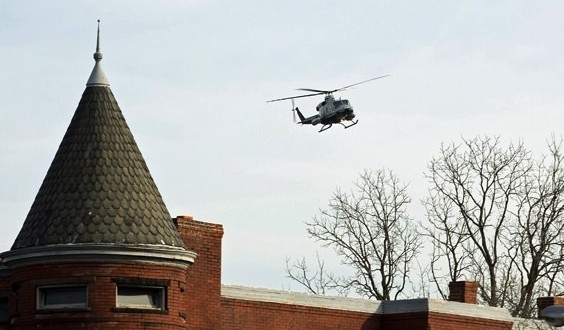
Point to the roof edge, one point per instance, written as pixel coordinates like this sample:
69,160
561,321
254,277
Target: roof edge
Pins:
446,307
140,253
299,298
389,307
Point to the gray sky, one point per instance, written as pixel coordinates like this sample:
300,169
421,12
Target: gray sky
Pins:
192,78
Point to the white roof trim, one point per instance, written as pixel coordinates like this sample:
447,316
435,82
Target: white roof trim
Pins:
446,307
530,324
302,299
365,305
138,253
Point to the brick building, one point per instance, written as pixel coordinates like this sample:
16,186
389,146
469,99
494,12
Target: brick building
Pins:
99,250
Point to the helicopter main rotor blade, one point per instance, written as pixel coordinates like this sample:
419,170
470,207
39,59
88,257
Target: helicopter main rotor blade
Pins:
313,90
319,92
338,89
294,97
358,83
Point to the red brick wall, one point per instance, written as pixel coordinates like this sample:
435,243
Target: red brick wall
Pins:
254,315
203,278
194,298
100,277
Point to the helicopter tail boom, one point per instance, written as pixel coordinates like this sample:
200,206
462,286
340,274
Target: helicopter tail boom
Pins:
300,115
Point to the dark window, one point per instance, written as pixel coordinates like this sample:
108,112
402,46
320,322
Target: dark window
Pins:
337,104
63,296
4,314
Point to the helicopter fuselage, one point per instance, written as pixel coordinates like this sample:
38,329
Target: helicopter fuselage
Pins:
330,111
333,111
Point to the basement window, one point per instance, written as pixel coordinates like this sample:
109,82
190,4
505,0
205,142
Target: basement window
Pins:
141,297
62,297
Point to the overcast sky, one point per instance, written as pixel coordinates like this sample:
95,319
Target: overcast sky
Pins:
192,78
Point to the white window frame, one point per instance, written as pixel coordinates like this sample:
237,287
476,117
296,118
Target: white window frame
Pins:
161,297
42,291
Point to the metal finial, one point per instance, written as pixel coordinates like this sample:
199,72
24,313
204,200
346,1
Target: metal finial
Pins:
98,77
98,54
98,39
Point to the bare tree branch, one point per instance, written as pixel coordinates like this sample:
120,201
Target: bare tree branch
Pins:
497,216
370,231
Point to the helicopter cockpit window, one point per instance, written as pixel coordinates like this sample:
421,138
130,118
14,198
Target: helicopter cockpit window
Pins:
337,104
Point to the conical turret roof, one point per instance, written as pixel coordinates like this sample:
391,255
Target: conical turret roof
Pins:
98,190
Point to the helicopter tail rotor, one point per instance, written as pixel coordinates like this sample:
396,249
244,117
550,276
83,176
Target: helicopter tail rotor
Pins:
294,110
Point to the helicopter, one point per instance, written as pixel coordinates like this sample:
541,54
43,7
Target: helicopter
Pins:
330,111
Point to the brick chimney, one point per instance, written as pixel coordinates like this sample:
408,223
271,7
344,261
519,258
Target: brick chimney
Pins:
203,279
463,291
544,302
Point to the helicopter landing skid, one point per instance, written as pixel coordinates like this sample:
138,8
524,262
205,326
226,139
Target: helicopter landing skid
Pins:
328,126
351,125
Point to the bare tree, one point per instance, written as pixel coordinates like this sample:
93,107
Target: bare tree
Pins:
478,180
539,231
496,216
449,245
370,231
317,281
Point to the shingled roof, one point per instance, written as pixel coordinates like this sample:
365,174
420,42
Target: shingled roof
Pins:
98,189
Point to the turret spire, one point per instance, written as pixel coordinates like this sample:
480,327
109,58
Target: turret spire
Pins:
98,77
98,192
